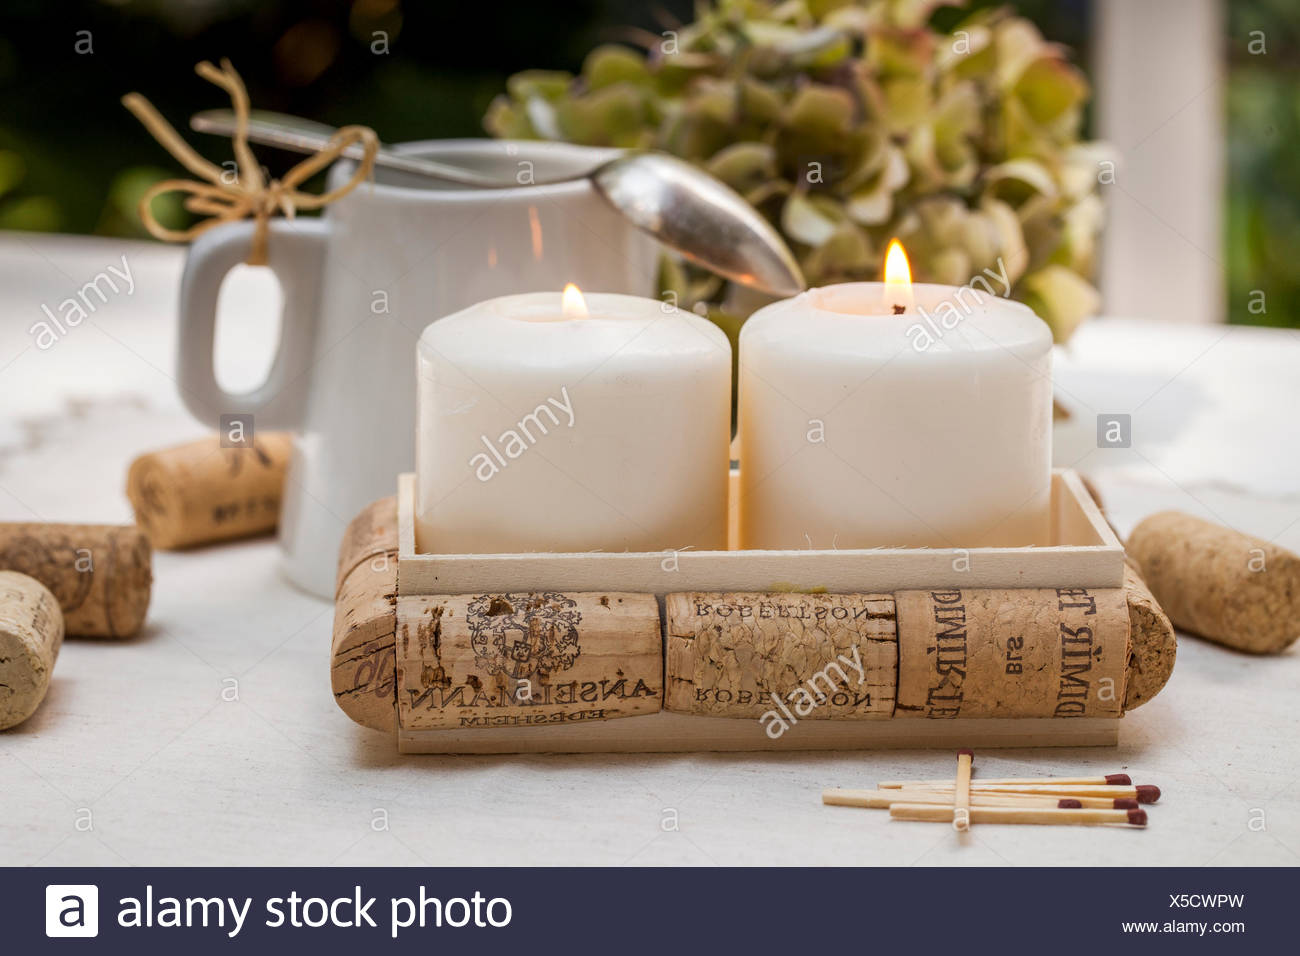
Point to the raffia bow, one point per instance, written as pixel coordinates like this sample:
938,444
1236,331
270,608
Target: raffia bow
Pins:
249,192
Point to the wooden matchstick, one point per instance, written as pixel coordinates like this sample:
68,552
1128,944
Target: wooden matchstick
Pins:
961,795
1097,803
884,799
1110,780
1142,793
932,813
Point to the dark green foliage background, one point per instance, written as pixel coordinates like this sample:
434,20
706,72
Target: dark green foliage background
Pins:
1262,238
72,159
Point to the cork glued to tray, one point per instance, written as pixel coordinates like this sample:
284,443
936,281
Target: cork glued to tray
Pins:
740,650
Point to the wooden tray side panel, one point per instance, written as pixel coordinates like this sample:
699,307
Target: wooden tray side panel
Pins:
667,732
1092,557
1076,518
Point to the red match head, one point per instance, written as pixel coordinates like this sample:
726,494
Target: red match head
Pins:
1119,780
1137,817
1069,804
1126,803
1147,793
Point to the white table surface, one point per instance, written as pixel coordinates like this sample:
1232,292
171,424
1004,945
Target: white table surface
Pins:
135,758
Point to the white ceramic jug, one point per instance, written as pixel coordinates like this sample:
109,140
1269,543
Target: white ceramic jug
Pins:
360,284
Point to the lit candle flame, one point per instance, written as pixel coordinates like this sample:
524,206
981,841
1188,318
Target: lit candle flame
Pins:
898,279
573,305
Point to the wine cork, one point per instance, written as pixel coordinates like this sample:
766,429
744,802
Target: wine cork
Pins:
526,659
31,633
201,493
781,657
371,537
1153,645
1220,584
101,575
1042,652
363,660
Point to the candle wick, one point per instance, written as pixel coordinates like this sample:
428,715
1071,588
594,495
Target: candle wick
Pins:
899,310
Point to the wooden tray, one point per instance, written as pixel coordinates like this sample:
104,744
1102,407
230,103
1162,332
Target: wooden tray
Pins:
1084,553
380,600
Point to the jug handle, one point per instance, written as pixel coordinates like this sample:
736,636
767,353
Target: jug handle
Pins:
296,255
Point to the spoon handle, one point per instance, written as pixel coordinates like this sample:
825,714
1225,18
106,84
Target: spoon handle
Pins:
306,136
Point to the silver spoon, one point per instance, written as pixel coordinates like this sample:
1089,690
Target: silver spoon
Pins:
681,206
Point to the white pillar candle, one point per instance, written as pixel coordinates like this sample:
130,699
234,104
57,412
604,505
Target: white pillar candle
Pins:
568,426
862,428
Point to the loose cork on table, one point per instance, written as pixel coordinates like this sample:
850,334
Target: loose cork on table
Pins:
1220,584
31,633
101,575
201,492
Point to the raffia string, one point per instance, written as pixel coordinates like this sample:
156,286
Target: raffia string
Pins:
249,193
